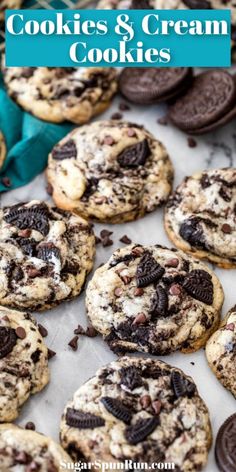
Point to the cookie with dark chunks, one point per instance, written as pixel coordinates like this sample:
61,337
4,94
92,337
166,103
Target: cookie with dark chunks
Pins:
46,254
61,94
146,411
152,85
153,299
110,171
221,352
27,450
23,362
200,216
209,99
8,4
225,446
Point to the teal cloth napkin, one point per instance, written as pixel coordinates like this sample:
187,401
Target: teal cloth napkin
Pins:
29,141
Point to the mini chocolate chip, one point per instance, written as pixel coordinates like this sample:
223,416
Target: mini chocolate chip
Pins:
138,292
79,330
73,343
43,331
140,319
156,405
226,228
230,327
30,425
175,289
145,401
131,133
117,116
91,332
32,272
106,242
163,120
105,233
108,140
51,354
124,106
6,181
97,240
49,189
118,291
125,239
20,332
24,233
172,262
192,143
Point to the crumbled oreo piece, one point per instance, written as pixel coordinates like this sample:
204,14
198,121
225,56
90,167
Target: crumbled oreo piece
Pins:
148,271
135,155
8,339
140,430
81,420
198,284
117,409
66,151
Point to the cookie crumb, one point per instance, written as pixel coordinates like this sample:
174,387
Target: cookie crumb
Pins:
43,331
192,143
193,363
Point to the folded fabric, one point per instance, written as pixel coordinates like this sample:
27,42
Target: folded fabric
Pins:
29,141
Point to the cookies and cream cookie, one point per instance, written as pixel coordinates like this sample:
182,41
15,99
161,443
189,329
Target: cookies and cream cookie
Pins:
23,362
46,254
154,299
8,4
200,216
61,94
221,352
26,451
110,171
138,409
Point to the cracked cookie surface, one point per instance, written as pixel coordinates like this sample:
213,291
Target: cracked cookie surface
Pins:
25,451
200,216
110,171
221,352
61,94
154,299
46,254
138,409
23,362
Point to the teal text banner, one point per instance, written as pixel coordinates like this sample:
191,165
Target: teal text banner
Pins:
144,38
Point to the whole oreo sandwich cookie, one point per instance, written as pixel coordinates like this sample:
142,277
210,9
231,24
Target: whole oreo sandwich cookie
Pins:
152,85
154,299
209,103
110,171
142,410
225,447
200,216
46,254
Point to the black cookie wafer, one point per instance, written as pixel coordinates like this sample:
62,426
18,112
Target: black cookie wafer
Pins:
209,100
152,85
225,447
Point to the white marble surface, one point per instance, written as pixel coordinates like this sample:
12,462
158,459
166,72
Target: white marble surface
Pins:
70,369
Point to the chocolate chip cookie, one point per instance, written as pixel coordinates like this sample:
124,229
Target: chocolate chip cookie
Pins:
221,352
138,409
152,85
200,216
110,171
8,4
2,149
153,299
23,362
60,94
209,103
46,254
26,451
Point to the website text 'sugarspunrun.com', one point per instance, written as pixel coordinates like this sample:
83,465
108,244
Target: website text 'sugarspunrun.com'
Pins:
110,466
